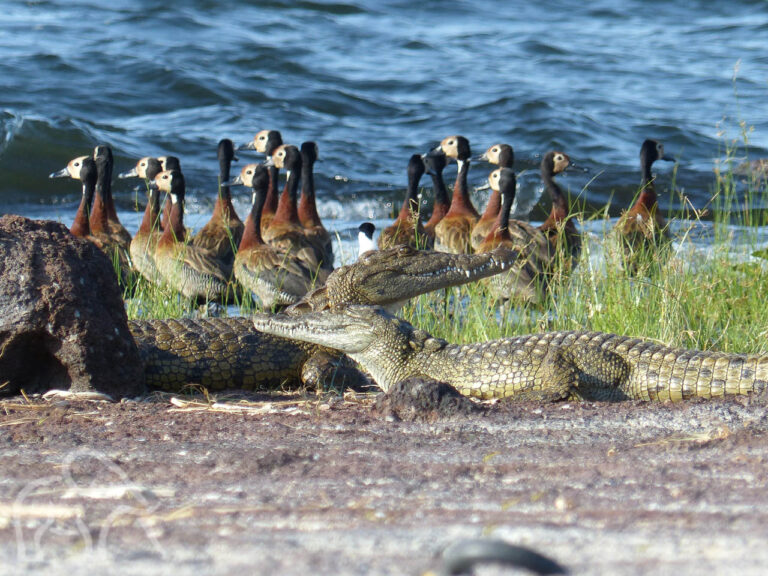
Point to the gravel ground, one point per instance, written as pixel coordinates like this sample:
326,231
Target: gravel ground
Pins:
289,484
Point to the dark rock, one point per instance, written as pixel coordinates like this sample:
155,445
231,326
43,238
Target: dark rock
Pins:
62,320
419,398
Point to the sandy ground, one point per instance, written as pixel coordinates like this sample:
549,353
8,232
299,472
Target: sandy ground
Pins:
300,485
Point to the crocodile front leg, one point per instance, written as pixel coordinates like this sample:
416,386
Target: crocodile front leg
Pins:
328,370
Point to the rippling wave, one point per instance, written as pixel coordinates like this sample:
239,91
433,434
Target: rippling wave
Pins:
372,83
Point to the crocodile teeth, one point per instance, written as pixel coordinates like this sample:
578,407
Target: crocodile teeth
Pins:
467,273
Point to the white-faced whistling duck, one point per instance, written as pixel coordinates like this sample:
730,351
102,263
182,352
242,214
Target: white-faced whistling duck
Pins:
434,163
190,270
453,232
82,225
642,228
275,277
168,163
222,233
365,241
82,168
407,227
266,142
103,215
144,243
559,226
308,216
525,280
503,156
285,232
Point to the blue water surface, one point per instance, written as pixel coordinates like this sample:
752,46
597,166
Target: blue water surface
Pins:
374,82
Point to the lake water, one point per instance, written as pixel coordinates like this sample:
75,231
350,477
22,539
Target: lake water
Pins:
372,83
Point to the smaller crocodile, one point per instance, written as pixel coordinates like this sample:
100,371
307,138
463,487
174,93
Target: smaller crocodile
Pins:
547,367
229,353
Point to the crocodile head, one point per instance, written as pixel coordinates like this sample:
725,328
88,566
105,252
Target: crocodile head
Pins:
386,346
391,277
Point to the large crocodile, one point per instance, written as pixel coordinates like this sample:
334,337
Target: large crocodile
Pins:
230,353
548,366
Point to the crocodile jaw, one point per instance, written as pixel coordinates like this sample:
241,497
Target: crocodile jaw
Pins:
341,331
391,277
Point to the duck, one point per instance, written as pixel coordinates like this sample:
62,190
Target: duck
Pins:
82,168
103,219
642,228
453,232
266,142
286,232
365,242
503,156
85,169
407,227
434,164
144,242
277,278
308,216
559,227
526,280
223,232
168,163
190,270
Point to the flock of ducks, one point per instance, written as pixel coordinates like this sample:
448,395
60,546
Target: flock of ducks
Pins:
282,250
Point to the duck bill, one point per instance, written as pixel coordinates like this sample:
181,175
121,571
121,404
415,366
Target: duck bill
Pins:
236,181
576,167
63,173
132,173
485,186
247,146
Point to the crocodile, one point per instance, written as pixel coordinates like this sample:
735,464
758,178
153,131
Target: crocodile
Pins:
229,353
550,366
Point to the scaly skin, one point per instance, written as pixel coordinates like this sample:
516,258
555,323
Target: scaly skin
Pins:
229,353
548,366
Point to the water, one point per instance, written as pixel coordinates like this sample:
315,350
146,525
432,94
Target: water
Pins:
372,83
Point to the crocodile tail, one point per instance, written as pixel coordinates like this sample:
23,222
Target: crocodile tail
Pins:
682,374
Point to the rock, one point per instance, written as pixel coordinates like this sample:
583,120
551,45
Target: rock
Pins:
424,399
62,320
